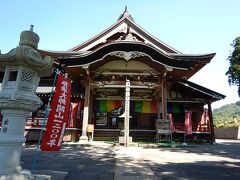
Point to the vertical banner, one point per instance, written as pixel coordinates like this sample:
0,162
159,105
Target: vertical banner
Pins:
201,122
57,119
204,124
172,123
78,123
207,120
73,114
188,123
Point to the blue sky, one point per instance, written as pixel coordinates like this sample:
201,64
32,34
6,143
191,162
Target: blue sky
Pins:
190,26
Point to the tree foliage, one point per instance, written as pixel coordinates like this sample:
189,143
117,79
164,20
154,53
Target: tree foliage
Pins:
233,72
227,115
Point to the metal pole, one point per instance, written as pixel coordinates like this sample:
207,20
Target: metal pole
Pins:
44,121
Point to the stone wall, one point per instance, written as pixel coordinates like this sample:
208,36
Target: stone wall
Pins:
227,133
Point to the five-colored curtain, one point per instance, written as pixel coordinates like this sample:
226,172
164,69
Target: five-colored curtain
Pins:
135,106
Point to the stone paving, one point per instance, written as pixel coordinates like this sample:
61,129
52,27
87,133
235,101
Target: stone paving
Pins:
103,161
80,162
130,165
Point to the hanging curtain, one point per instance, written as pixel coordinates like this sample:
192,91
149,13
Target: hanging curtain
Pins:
106,105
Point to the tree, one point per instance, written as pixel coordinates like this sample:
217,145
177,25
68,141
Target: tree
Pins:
238,103
233,72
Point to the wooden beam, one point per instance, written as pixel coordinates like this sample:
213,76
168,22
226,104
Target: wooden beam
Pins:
121,84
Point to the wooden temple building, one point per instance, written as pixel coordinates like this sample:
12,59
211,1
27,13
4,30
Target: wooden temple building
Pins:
158,75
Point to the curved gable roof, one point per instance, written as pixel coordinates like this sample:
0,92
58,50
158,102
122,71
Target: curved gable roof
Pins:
127,36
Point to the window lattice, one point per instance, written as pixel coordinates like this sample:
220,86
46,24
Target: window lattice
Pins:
27,78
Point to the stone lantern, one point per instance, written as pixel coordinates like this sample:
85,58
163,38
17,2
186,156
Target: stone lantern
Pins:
23,68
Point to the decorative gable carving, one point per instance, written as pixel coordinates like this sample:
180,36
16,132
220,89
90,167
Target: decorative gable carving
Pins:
127,55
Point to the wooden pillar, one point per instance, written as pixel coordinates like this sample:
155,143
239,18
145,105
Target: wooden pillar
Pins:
86,110
211,123
164,97
91,106
158,104
158,109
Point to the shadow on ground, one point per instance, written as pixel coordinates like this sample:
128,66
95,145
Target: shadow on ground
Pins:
197,162
81,162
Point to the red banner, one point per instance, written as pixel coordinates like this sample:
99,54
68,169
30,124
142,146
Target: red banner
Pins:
207,119
73,114
57,119
172,123
204,125
188,123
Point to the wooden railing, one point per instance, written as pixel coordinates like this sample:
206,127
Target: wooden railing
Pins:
36,122
195,127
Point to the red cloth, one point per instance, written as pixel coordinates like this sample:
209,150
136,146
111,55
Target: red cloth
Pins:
188,123
172,123
58,115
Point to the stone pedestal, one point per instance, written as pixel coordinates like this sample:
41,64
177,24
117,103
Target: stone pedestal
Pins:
25,175
121,140
11,139
83,139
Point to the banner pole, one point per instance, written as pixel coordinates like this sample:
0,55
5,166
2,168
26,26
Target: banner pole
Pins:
43,125
184,139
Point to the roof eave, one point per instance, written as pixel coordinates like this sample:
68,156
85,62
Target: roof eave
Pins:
131,47
215,95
